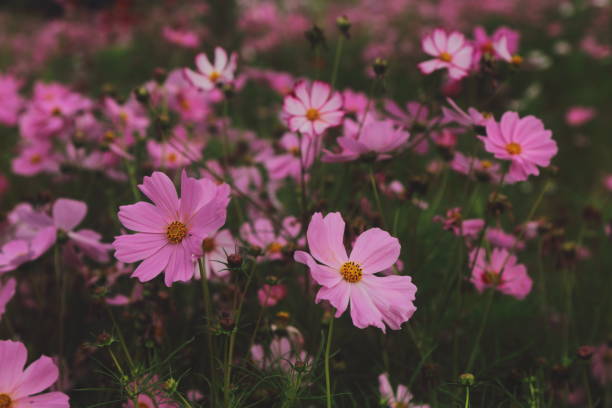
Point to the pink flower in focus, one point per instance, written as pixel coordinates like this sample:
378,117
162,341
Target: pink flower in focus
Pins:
374,300
270,295
524,141
170,231
311,109
379,137
501,272
579,115
209,75
399,399
7,291
451,51
18,386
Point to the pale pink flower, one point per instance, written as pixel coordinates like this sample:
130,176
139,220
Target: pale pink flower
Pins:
270,295
524,142
297,155
282,354
500,271
500,238
503,39
7,291
374,300
18,386
471,118
262,234
170,231
451,51
177,152
396,399
181,37
210,75
378,137
311,109
35,159
484,170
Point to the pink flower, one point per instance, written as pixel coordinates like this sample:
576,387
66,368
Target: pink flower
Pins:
379,137
451,51
262,234
35,159
175,153
270,295
289,163
524,141
209,75
282,354
454,222
18,386
374,300
170,232
501,272
484,170
579,115
129,118
7,291
181,37
601,364
399,399
500,238
607,182
216,248
10,100
457,115
311,109
503,39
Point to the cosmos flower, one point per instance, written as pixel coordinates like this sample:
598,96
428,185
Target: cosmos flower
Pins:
395,399
500,271
451,51
18,386
209,75
7,291
524,141
311,109
171,230
374,300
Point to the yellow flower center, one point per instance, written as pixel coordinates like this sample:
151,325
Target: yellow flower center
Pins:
400,405
295,151
275,247
491,278
214,76
123,117
171,157
35,159
56,111
176,231
517,59
514,148
486,164
208,245
312,114
487,115
109,136
5,401
446,57
184,104
351,272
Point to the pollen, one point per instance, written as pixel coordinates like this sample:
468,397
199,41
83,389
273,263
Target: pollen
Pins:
445,56
312,114
275,247
184,104
295,151
491,278
486,164
171,157
176,231
123,117
514,148
517,60
34,159
351,272
5,401
214,76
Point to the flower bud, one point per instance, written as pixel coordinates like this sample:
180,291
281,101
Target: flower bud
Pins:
380,66
234,261
315,37
142,95
467,379
159,75
585,352
344,25
498,204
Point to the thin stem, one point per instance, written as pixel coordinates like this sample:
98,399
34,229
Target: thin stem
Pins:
587,387
208,313
330,333
377,197
483,323
59,277
467,397
337,60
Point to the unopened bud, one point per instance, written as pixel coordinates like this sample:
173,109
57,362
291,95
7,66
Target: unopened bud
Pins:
315,37
344,25
585,352
498,204
234,261
467,379
380,66
142,95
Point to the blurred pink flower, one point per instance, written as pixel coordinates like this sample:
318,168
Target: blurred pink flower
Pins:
393,399
579,115
501,272
209,75
181,37
311,109
10,100
7,291
18,386
524,142
601,364
170,231
374,300
215,249
451,51
270,295
296,155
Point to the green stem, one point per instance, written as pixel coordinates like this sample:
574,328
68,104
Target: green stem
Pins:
330,333
377,197
337,60
483,323
587,387
59,277
467,397
208,312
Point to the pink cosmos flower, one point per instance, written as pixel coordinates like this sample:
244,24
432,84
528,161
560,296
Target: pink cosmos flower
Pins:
454,222
289,163
471,118
262,234
451,51
170,231
395,399
35,159
579,115
209,75
187,100
503,39
501,272
601,364
216,248
282,354
145,401
500,238
311,109
181,37
175,153
484,170
270,295
129,118
7,291
18,386
374,300
524,141
10,100
379,137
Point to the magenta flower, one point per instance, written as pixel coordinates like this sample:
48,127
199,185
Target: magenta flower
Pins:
7,291
129,118
453,221
35,159
395,399
451,51
270,295
378,137
18,386
579,115
181,37
524,141
171,230
209,75
501,272
311,109
601,364
10,100
374,300
503,43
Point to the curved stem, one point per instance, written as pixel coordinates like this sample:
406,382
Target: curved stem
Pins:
208,312
330,333
337,60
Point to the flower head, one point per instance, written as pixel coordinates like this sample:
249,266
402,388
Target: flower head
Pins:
311,109
451,51
395,399
209,74
374,300
500,271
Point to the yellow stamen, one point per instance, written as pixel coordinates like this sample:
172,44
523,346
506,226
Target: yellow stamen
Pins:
351,272
214,76
491,278
5,401
176,231
171,157
312,114
184,104
123,117
517,60
295,151
514,148
109,136
445,56
486,164
34,159
275,247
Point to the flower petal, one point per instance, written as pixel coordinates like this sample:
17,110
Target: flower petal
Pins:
375,250
67,213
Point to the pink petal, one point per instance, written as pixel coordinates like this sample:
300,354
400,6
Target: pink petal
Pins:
159,188
375,250
39,375
143,217
191,196
180,265
322,274
203,64
197,80
13,356
135,247
48,400
338,296
319,93
326,239
220,59
363,311
154,264
67,213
